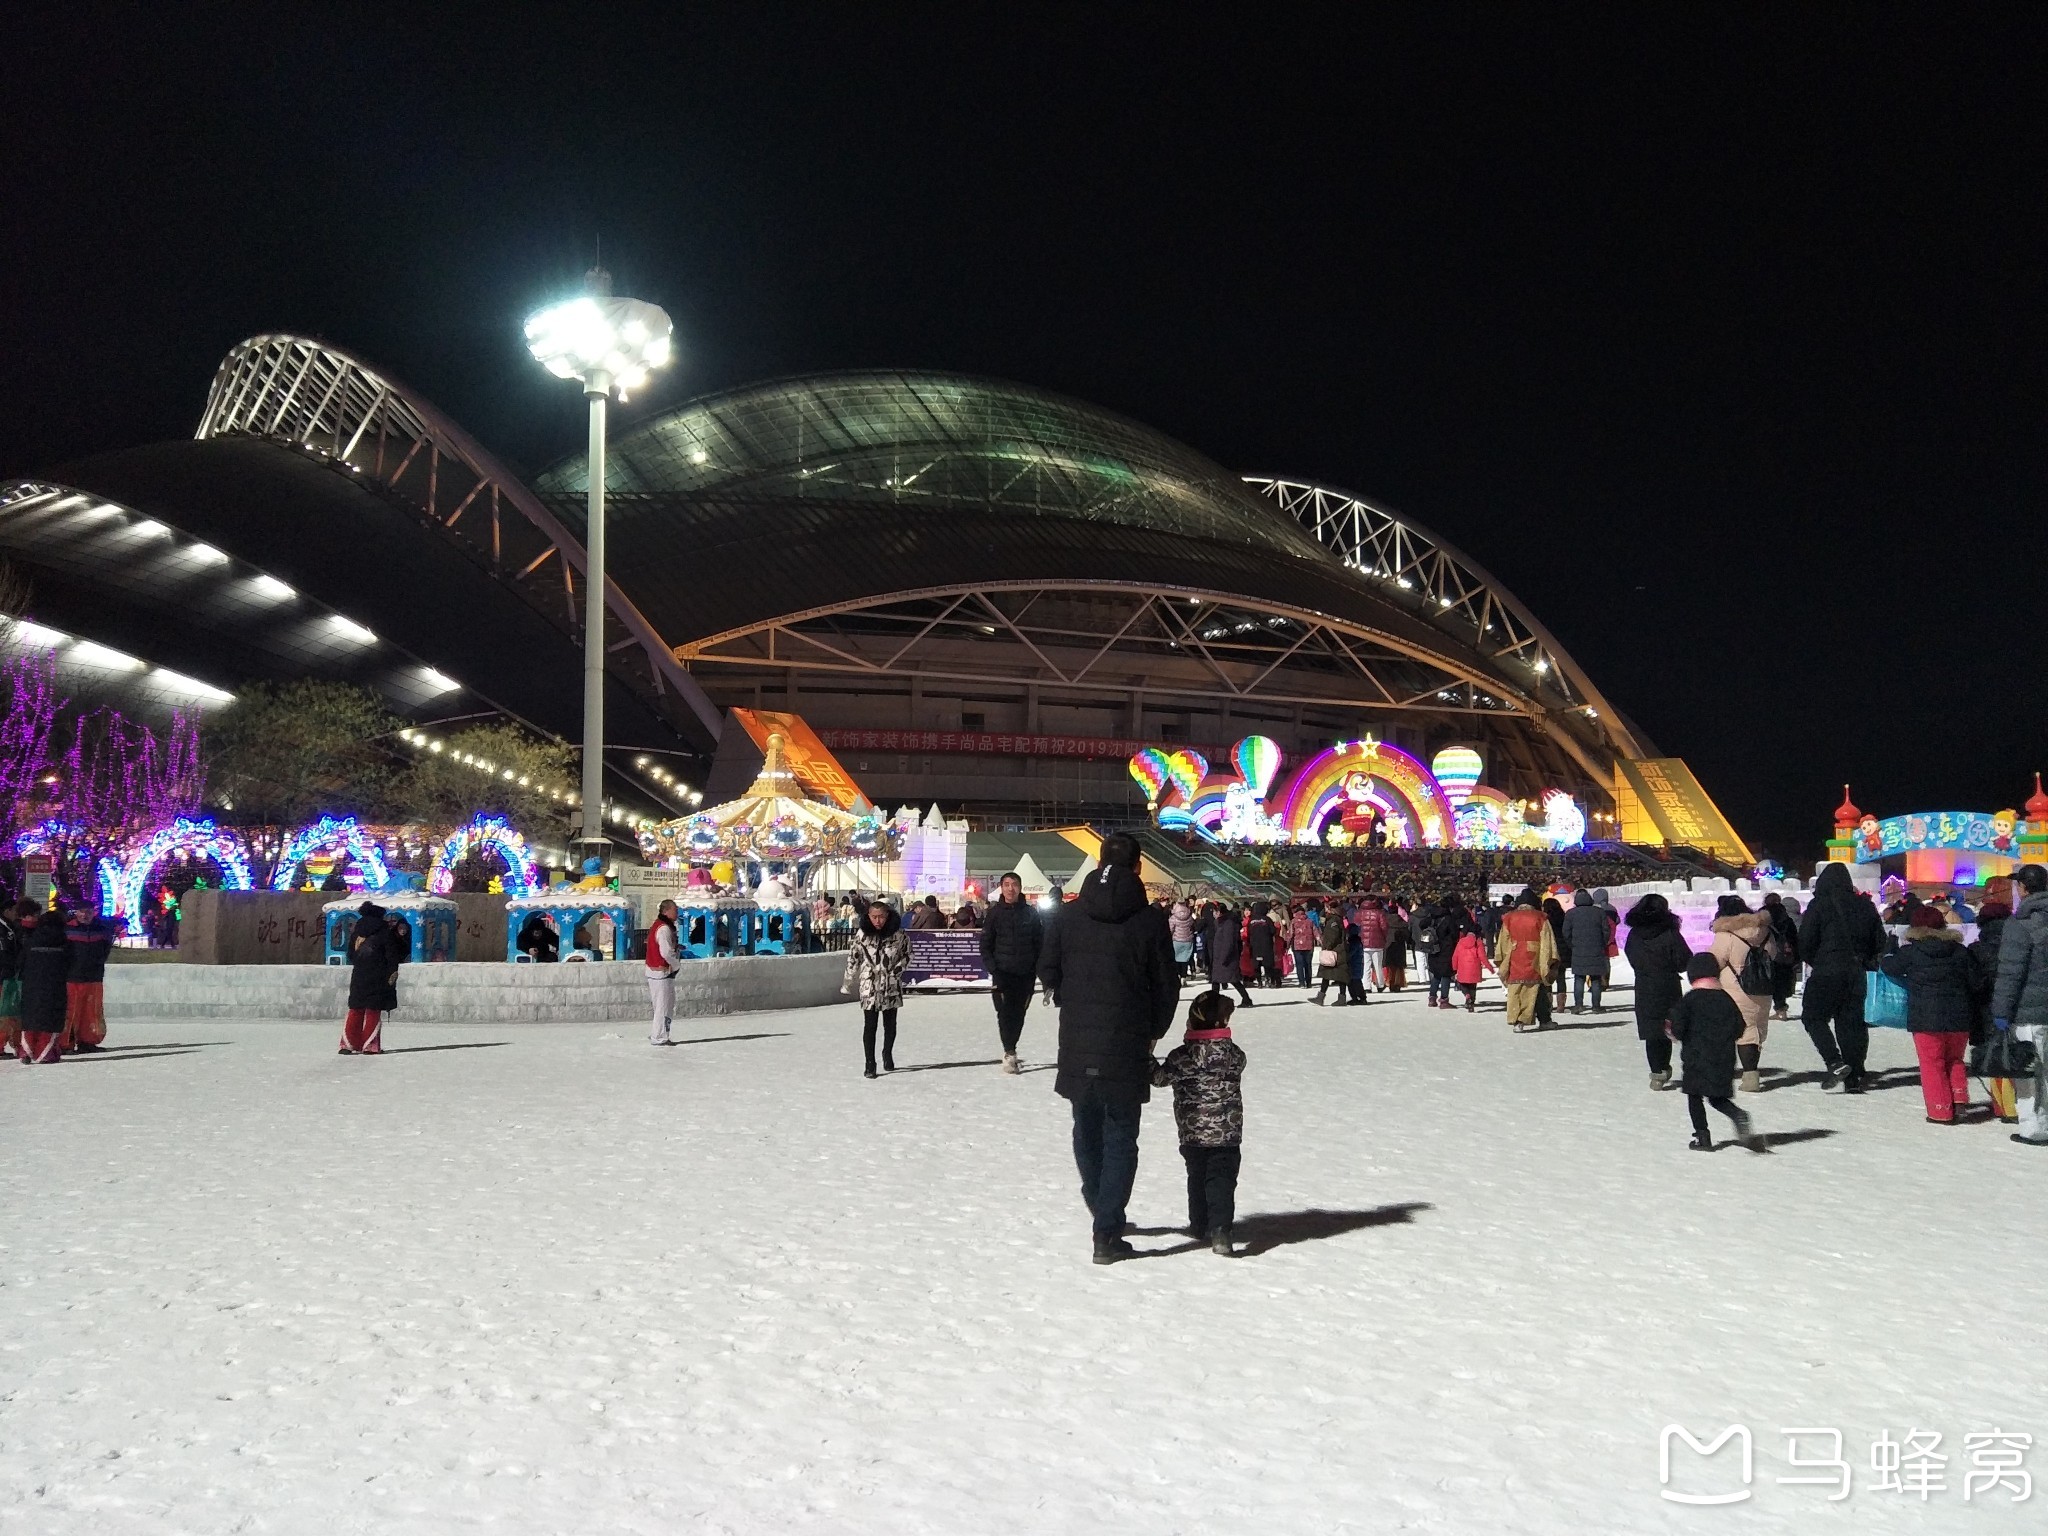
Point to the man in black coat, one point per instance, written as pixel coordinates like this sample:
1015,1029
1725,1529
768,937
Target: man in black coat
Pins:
1012,936
1840,938
1108,963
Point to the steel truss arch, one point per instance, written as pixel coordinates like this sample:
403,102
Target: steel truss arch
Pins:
1456,594
326,400
1151,641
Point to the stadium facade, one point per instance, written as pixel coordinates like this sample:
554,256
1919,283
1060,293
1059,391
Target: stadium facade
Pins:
981,593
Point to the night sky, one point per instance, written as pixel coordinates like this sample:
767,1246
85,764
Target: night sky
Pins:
1718,337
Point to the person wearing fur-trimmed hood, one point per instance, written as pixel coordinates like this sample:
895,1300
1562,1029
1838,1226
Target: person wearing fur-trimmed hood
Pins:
875,963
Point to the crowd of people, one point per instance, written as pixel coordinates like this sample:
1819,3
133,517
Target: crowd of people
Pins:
53,970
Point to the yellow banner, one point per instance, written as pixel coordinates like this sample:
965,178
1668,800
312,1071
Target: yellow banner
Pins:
805,756
1661,802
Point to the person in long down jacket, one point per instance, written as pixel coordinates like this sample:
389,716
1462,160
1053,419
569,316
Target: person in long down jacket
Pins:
1991,920
1586,936
1180,927
1372,938
875,963
13,943
1302,938
374,957
1658,954
1226,952
1397,949
1737,932
2019,997
1785,967
1109,965
1262,940
1840,939
1553,909
1942,982
1447,924
44,998
1012,935
1331,966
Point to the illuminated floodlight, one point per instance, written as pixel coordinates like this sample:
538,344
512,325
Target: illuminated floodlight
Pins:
39,635
439,681
606,342
178,682
272,588
92,654
352,629
206,554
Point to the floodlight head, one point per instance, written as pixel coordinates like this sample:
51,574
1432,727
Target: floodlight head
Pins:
608,343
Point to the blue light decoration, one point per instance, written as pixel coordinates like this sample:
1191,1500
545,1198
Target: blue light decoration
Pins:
339,834
485,832
184,835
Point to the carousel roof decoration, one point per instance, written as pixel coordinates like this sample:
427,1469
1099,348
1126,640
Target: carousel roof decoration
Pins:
774,822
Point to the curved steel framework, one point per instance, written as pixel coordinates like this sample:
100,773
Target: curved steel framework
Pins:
1453,592
1166,647
327,401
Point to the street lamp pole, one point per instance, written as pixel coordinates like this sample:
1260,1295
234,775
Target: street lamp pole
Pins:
608,344
597,389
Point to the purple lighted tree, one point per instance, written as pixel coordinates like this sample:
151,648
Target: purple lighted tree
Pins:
113,779
25,735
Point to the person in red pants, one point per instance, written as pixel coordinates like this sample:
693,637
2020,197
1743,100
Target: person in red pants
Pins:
372,983
91,938
1942,980
44,997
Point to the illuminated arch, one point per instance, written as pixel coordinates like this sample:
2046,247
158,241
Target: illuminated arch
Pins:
339,834
1319,784
485,832
181,836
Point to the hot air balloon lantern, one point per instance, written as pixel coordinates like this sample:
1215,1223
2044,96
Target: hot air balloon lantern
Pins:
1187,770
1458,769
1149,767
1258,759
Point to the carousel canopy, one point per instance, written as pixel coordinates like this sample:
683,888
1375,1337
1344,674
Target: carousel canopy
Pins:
773,822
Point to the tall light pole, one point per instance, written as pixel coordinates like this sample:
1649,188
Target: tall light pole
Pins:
608,344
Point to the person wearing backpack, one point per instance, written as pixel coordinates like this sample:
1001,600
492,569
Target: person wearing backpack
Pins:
1744,947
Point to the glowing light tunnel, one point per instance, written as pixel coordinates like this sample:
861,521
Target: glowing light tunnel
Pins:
496,835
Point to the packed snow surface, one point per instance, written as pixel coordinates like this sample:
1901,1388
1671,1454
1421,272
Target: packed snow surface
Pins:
551,1279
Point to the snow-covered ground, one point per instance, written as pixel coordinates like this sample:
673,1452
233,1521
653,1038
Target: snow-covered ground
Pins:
548,1279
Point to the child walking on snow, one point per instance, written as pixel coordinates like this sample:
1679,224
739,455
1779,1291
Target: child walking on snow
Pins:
1706,1024
1208,1109
1468,964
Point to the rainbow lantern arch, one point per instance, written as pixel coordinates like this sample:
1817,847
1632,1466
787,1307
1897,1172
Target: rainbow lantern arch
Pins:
1346,794
491,833
1355,786
330,834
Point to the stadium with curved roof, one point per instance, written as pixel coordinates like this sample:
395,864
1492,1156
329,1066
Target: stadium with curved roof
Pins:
938,572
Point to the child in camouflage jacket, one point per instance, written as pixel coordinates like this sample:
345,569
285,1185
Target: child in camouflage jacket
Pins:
1204,1072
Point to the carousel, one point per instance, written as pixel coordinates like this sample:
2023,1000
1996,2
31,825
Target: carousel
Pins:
749,858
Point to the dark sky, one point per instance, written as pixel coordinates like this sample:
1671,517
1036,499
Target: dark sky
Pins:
1716,334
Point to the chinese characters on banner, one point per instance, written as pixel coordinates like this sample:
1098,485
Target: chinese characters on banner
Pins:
996,743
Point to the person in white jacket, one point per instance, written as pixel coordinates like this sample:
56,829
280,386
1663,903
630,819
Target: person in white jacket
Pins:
664,956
